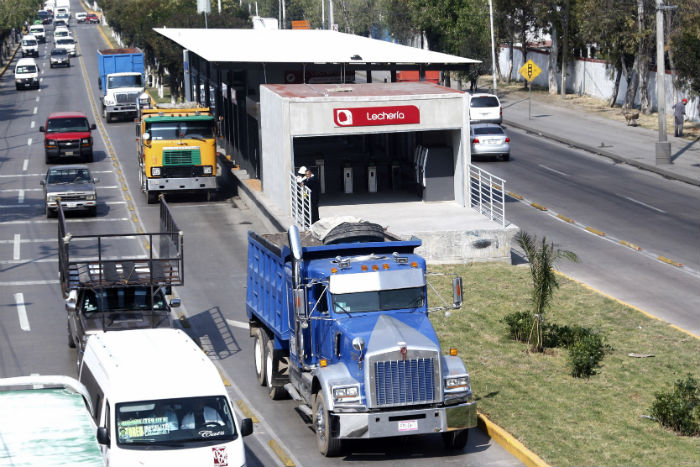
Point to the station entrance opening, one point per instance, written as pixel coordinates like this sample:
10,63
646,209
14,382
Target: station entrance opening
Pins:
409,165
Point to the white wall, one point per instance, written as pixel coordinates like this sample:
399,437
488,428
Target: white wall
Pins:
593,78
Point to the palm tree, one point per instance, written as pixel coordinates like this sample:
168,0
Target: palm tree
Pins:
542,257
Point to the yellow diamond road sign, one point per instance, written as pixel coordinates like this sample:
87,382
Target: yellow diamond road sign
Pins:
530,70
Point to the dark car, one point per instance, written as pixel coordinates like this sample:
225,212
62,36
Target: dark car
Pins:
59,57
489,139
72,186
67,134
92,18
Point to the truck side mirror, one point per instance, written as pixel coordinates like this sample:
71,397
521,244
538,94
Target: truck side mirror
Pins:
138,129
457,292
300,302
72,300
99,83
102,436
246,427
175,303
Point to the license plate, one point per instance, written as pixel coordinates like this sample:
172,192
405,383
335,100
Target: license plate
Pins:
71,205
491,141
408,425
68,153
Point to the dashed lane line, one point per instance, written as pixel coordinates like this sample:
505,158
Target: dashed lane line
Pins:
25,166
50,221
22,312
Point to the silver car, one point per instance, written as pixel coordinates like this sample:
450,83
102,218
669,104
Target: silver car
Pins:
72,186
489,139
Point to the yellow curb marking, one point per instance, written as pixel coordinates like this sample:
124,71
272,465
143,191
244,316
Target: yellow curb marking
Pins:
509,443
630,245
597,232
281,454
538,206
670,261
515,195
223,378
183,320
246,411
566,219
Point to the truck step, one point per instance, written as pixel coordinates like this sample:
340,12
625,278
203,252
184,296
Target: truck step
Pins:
291,390
306,410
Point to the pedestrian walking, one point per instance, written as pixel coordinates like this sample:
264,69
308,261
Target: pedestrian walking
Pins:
311,182
678,117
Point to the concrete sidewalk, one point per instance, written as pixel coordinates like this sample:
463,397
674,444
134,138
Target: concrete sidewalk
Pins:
578,128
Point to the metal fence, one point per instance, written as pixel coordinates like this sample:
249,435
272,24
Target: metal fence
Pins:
487,194
299,203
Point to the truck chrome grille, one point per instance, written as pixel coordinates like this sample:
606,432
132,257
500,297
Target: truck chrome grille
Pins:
408,382
126,97
185,156
72,196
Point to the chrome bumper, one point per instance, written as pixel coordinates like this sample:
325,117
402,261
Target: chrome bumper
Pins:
406,422
182,184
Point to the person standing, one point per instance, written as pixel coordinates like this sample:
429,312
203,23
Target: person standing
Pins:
678,117
311,182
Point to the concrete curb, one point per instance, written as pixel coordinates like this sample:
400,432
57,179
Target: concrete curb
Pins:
509,443
641,165
7,65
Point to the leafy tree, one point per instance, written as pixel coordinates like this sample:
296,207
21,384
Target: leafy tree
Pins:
684,46
542,256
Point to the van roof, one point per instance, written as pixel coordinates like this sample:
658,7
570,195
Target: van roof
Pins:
26,61
28,37
147,364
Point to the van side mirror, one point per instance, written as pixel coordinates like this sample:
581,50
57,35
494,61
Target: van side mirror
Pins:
93,127
96,180
175,303
42,129
246,427
102,436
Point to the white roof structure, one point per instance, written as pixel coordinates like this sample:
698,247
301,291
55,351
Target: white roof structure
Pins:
300,46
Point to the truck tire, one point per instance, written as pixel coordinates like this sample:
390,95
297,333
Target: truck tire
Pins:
71,342
276,392
355,232
259,345
151,197
455,439
328,445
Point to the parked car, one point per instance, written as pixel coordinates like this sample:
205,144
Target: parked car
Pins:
489,139
71,185
59,57
26,74
92,18
67,43
30,46
80,16
67,134
485,108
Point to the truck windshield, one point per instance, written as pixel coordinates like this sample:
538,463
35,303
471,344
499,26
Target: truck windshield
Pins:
128,81
380,300
171,422
203,129
56,125
122,299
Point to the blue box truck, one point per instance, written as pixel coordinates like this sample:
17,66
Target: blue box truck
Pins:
121,79
342,326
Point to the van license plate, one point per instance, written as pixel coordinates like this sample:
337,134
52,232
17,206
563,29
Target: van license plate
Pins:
71,205
68,153
408,425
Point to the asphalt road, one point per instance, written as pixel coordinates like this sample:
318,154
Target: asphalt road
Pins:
660,216
33,335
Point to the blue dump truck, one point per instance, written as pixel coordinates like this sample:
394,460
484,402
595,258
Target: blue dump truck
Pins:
121,79
341,326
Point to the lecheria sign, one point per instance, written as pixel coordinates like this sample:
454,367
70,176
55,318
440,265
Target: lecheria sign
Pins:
371,116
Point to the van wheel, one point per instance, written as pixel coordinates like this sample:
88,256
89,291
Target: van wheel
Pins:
455,439
328,445
259,345
71,342
272,363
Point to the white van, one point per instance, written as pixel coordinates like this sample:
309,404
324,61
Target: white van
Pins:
26,74
159,400
30,46
38,31
61,31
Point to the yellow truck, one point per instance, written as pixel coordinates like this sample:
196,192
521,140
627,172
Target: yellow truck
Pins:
177,150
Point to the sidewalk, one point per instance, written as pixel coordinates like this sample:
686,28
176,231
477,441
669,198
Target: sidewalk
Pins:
585,130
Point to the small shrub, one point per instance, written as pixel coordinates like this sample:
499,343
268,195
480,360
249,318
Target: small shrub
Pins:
679,409
565,336
585,355
519,325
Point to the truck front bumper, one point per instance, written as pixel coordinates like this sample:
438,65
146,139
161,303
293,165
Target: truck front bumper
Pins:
406,422
182,184
122,109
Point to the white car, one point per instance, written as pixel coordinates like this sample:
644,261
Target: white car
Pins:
485,108
67,43
81,16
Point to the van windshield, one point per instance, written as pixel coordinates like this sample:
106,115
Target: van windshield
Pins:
174,422
25,69
67,124
29,42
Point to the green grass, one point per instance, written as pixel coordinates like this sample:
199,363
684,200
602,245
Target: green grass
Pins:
565,420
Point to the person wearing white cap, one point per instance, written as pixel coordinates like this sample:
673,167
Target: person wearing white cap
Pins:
308,179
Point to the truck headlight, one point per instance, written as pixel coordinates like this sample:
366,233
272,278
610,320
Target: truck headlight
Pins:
458,384
50,198
90,197
344,394
207,170
109,100
155,171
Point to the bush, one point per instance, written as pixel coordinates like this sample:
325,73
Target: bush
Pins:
519,325
565,336
679,409
585,355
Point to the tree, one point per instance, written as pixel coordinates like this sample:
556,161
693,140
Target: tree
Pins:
541,257
684,46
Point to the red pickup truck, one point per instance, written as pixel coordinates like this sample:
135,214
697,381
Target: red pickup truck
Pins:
67,134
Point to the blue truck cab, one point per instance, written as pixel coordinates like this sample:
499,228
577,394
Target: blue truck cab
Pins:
343,328
121,79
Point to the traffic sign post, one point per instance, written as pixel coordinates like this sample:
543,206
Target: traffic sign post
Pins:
529,71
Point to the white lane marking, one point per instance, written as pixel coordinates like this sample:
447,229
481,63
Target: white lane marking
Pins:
33,124
29,142
20,197
37,205
55,260
53,240
22,312
11,190
237,324
15,247
77,221
23,283
36,109
25,166
37,98
645,204
554,170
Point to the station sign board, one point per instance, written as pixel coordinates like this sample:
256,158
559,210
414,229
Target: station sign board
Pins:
373,116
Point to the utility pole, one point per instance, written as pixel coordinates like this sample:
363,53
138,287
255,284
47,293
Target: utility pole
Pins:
663,147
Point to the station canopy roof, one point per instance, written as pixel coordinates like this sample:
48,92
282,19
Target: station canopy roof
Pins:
300,46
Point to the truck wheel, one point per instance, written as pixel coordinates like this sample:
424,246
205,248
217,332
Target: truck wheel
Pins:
71,343
259,344
276,392
151,197
328,445
455,439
